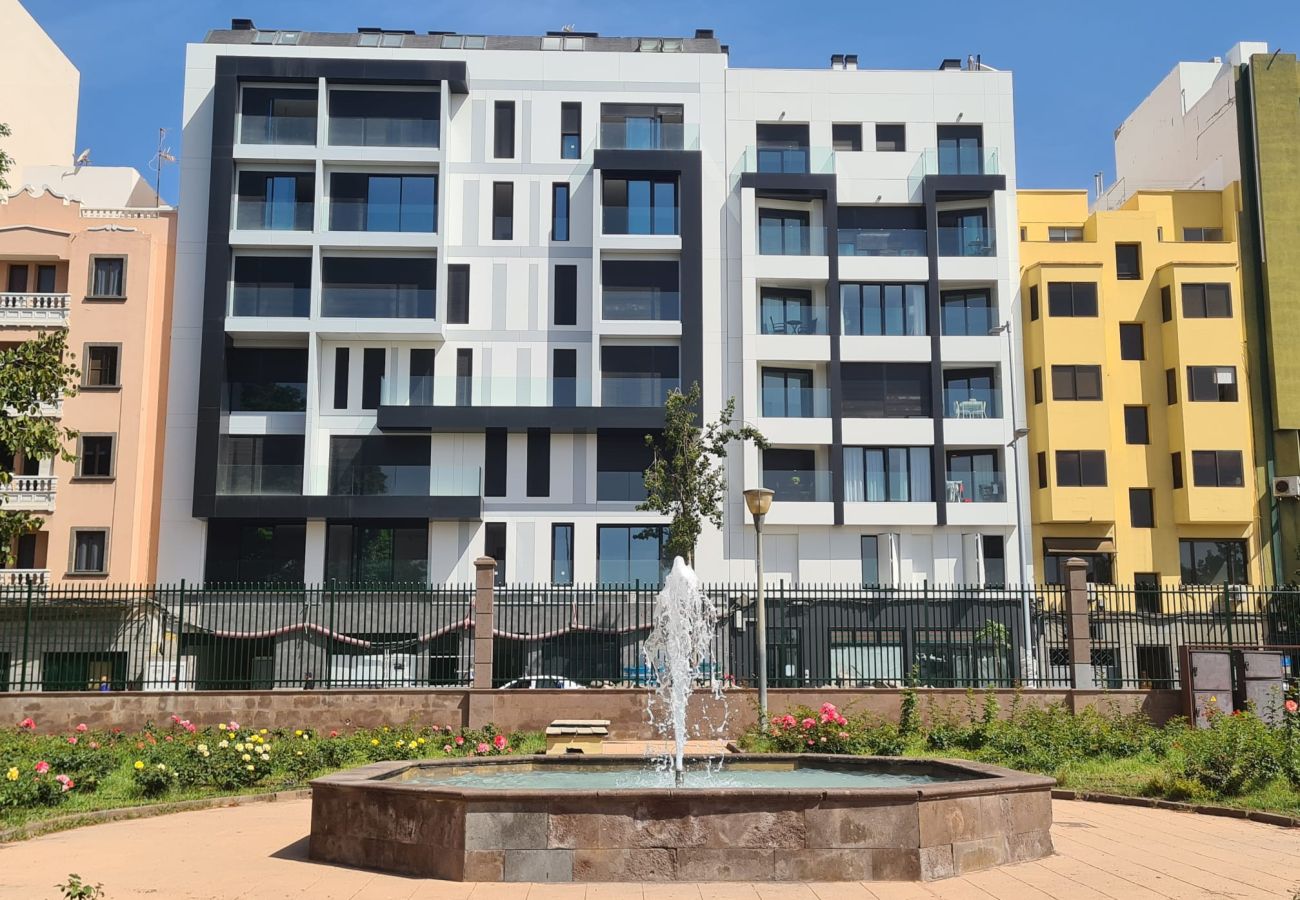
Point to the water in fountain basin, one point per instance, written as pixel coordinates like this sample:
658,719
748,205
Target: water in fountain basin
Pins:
676,651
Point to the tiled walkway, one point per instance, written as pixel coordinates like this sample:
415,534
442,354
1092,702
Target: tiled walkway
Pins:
258,851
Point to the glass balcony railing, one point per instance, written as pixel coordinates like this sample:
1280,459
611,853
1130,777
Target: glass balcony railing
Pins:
777,238
976,487
972,403
383,131
453,390
283,130
635,305
649,134
789,160
266,396
641,220
881,241
621,486
252,479
953,161
270,300
364,480
256,214
377,301
798,486
797,403
638,391
805,320
966,240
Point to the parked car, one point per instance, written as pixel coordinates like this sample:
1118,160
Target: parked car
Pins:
542,683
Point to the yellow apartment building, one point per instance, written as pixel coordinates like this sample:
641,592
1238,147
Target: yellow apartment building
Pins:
1140,449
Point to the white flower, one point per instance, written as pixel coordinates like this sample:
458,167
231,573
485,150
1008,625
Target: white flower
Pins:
224,744
203,748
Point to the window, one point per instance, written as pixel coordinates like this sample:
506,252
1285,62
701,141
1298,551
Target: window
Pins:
1217,468
1042,468
503,129
880,231
539,462
967,312
891,138
1171,386
570,132
368,287
275,201
108,278
560,211
1080,468
630,554
17,279
641,126
1128,262
458,294
1072,299
995,559
1038,385
975,476
782,147
266,379
871,559
374,362
622,458
1033,303
793,475
1213,562
562,551
271,286
638,375
1207,301
46,278
965,232
420,387
1100,566
101,366
886,390
1076,382
888,475
789,393
383,202
1064,234
846,136
495,456
378,465
1131,341
1203,234
961,149
464,376
971,393
278,115
1166,304
1135,425
341,377
379,551
89,551
503,211
1176,463
95,456
785,232
246,552
566,295
378,118
640,205
1214,384
1141,508
784,310
883,309
564,377
641,290
1146,593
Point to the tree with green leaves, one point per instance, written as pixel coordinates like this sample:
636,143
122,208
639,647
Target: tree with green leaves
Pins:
685,479
34,374
5,161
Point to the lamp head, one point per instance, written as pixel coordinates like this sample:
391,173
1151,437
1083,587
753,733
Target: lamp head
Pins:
759,501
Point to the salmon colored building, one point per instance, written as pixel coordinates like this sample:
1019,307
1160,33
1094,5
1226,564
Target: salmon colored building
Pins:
88,249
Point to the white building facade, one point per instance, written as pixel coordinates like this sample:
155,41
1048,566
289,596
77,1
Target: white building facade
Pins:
432,290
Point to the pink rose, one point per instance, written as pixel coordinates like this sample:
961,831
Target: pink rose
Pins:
499,742
334,734
844,735
483,748
1292,706
29,723
234,726
72,740
809,723
67,783
788,721
81,727
459,740
810,742
446,748
94,745
42,767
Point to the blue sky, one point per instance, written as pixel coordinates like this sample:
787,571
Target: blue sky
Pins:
1079,66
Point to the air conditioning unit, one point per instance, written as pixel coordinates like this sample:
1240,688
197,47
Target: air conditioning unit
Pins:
1287,486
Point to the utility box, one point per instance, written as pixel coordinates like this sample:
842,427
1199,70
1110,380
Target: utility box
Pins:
1207,683
1261,681
1233,679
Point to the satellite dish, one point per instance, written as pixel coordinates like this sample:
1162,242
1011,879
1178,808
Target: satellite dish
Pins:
83,158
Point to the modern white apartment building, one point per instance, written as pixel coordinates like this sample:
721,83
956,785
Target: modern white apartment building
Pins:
433,288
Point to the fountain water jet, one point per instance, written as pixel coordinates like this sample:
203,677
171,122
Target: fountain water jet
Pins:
676,650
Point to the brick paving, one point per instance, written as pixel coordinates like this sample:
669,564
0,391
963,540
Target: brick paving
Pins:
259,851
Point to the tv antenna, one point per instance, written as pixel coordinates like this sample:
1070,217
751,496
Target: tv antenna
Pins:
161,157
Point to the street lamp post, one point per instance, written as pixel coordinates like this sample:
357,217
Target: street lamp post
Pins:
1017,433
759,501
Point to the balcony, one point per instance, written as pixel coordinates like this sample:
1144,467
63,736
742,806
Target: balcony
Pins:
797,403
29,493
379,118
779,238
395,480
626,487
962,160
259,480
648,134
788,160
798,485
35,310
881,242
24,578
773,319
967,240
278,115
975,487
42,410
485,390
972,403
636,390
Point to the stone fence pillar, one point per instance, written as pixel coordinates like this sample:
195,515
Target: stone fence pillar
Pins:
479,700
1078,638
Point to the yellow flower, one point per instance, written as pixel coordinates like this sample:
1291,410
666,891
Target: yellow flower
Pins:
298,733
400,744
224,744
306,737
299,753
203,748
139,764
246,758
12,774
221,726
374,742
239,747
385,728
249,768
162,767
420,741
263,731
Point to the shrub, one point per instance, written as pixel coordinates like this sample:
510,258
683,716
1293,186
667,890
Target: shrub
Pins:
1233,754
153,779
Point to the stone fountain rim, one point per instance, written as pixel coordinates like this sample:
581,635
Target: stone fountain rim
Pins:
990,779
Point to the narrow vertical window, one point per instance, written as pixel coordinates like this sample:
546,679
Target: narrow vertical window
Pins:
560,211
564,377
340,377
566,295
503,211
494,462
373,362
420,392
539,462
562,554
570,131
458,294
504,130
464,376
494,546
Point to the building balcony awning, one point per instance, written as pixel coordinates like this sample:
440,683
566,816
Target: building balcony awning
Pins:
1078,545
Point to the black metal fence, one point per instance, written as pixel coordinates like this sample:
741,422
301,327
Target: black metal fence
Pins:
179,637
